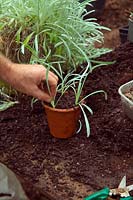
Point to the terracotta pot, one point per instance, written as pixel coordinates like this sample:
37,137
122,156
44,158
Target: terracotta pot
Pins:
62,122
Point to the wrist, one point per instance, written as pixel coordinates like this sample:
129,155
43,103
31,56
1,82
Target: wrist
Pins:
6,67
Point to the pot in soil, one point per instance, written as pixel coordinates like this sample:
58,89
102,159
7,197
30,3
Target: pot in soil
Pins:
126,93
130,30
62,122
123,32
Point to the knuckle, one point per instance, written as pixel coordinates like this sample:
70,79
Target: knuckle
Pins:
57,78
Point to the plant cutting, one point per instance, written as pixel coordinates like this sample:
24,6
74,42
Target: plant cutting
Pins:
126,93
6,101
63,122
54,34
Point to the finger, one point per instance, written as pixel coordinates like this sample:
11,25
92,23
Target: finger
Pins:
52,85
52,82
53,75
49,73
53,90
41,95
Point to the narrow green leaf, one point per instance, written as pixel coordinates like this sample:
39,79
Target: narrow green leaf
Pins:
86,121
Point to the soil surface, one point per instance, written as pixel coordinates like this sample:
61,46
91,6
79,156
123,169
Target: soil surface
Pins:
116,13
115,16
62,102
71,169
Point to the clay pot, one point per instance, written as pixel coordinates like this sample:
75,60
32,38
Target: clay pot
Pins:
62,122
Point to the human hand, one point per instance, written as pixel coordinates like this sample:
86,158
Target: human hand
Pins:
28,79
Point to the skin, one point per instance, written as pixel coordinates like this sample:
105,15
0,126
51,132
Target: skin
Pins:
28,79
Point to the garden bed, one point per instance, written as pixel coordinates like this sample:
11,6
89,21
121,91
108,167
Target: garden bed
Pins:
71,169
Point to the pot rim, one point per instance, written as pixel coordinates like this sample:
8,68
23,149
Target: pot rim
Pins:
123,28
60,109
122,94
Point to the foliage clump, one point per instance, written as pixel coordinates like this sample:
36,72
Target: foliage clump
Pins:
53,33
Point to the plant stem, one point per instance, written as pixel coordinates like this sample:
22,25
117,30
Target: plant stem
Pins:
38,20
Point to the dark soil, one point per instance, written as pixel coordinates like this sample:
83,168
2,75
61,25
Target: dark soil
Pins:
71,169
35,193
64,102
116,13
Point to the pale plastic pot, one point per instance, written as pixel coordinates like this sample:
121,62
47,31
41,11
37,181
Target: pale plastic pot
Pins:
126,102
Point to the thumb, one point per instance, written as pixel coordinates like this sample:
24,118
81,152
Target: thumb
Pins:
41,95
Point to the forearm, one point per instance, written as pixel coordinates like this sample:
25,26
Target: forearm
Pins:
5,68
27,78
